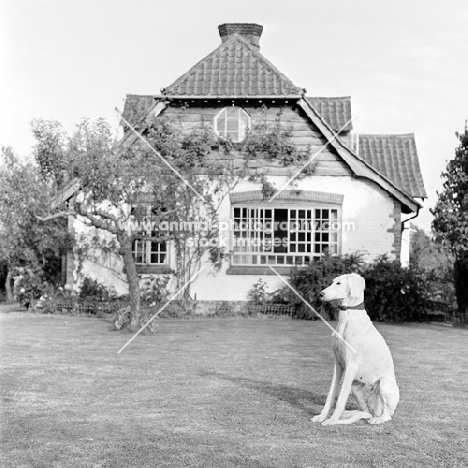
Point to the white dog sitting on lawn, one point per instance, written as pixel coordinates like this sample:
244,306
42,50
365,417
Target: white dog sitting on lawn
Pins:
362,355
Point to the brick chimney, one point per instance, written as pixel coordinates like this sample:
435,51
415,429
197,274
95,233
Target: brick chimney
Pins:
249,31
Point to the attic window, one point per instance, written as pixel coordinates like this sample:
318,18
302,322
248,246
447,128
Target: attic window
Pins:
232,123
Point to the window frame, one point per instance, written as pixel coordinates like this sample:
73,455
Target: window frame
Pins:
147,244
242,127
301,237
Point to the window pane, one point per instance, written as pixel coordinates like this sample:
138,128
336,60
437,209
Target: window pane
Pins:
232,112
221,127
232,122
232,126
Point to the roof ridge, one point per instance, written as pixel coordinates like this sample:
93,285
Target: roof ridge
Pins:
329,97
385,134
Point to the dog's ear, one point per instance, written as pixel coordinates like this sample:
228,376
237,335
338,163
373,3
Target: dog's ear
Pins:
356,284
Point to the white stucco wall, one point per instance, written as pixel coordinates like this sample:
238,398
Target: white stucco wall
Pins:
366,209
105,268
365,205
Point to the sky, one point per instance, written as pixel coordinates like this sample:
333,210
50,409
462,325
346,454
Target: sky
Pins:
403,62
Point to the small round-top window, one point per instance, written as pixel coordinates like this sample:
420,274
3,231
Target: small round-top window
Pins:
232,122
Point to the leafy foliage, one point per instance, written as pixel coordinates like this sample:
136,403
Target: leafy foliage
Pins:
392,293
25,240
29,286
154,290
436,266
92,290
258,294
450,222
314,278
451,211
172,169
273,142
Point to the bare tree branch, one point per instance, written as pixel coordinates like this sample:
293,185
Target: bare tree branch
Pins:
59,214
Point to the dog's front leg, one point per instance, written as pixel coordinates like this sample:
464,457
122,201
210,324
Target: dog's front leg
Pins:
350,374
337,374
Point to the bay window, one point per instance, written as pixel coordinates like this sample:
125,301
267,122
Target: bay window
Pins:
283,235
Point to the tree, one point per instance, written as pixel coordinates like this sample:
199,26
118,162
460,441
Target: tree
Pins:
171,169
450,222
25,241
185,174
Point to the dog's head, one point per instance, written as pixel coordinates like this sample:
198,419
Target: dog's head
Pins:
347,288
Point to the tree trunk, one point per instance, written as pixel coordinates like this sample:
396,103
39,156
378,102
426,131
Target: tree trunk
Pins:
460,277
8,287
133,285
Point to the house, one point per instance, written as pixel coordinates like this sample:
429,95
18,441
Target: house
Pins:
359,195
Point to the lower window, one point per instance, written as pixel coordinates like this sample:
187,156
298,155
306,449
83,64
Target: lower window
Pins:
283,236
147,252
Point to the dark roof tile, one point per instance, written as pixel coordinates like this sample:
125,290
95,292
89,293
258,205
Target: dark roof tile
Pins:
395,157
235,68
137,107
336,111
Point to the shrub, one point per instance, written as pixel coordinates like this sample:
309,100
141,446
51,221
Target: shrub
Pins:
316,276
394,293
154,295
92,290
29,286
154,290
258,294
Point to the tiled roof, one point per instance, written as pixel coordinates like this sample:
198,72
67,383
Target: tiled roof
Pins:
395,157
137,107
234,69
336,111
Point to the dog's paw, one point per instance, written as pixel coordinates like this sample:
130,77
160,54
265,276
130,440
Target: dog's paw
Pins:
329,422
379,420
318,418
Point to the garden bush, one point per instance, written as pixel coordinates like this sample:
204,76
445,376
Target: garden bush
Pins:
393,293
311,280
93,291
29,286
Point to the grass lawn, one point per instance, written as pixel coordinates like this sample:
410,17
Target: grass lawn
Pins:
218,393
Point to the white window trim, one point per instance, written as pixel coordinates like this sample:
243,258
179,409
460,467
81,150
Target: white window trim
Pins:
147,244
225,134
288,259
